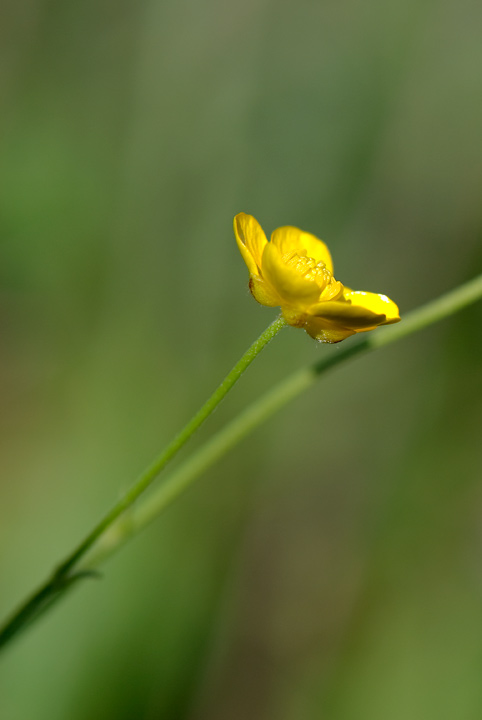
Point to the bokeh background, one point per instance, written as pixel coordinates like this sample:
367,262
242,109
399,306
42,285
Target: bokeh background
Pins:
330,567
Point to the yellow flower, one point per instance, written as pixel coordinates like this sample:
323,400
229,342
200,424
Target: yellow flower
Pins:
295,271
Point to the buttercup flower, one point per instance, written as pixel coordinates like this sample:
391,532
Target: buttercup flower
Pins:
295,272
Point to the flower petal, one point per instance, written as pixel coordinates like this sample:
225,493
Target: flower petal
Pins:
376,303
324,331
251,240
292,287
291,239
347,315
262,292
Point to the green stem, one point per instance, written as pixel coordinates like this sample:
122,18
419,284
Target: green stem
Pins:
62,577
266,406
113,531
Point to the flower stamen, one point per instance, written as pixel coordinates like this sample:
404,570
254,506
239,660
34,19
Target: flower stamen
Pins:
309,269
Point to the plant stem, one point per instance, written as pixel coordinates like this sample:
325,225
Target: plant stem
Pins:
62,576
266,406
113,531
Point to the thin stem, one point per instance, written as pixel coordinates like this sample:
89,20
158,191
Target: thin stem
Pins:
63,577
149,475
266,406
112,535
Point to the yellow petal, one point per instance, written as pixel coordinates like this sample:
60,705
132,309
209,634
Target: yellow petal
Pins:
291,239
251,240
324,331
292,287
346,315
379,304
262,292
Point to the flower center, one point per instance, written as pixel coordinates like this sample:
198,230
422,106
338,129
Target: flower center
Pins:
309,269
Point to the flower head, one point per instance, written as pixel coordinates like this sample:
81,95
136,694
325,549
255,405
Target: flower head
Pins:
295,272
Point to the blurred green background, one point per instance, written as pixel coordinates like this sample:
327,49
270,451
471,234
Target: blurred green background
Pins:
330,567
